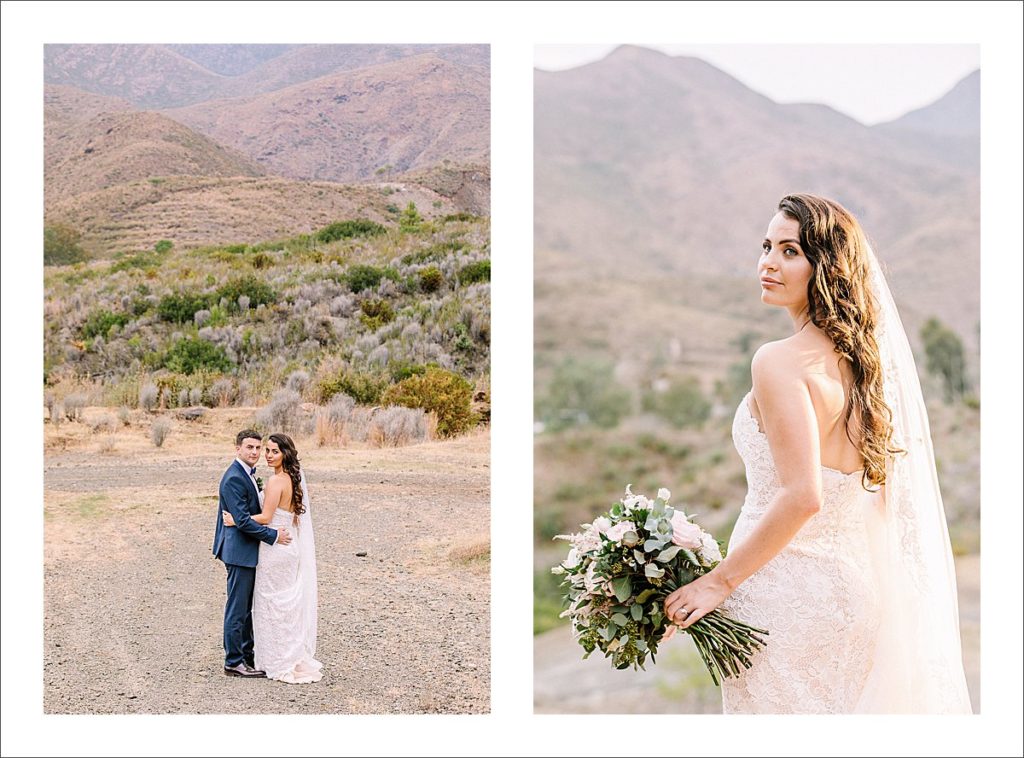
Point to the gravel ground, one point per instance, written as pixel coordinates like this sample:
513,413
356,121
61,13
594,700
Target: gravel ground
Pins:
134,599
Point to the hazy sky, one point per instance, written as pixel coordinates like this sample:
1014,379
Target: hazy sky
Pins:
871,83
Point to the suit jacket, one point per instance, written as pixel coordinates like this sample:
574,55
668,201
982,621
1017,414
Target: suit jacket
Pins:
239,545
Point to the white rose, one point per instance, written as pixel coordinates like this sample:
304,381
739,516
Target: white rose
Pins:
664,494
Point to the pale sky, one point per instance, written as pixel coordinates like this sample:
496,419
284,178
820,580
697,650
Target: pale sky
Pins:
871,83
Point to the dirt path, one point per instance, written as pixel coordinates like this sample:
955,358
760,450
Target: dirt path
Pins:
134,598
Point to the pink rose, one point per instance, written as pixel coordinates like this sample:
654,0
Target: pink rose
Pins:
616,532
684,533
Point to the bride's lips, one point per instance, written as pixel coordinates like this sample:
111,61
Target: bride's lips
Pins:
767,281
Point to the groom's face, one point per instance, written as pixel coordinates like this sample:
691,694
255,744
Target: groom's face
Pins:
249,450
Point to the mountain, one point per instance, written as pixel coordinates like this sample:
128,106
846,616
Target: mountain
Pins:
172,76
955,114
94,143
658,174
147,76
406,114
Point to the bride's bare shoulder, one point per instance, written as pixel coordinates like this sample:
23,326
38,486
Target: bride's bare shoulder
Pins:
780,359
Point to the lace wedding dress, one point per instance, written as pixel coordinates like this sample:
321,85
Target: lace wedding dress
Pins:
818,597
284,615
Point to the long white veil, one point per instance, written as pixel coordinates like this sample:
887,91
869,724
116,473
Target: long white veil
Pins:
307,570
918,666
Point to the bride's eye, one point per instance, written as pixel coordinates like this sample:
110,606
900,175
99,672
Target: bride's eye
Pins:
765,248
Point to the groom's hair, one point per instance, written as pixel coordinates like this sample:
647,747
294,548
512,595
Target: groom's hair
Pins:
247,434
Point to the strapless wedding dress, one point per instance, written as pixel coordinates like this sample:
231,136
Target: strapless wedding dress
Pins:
284,613
818,598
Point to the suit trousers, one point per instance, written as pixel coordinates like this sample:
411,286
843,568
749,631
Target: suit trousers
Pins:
238,637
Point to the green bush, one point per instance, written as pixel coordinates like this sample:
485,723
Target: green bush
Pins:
376,313
359,227
365,389
180,307
163,246
945,354
440,392
462,216
583,392
62,245
261,261
475,272
142,260
682,404
191,354
100,322
410,220
435,252
431,279
362,276
401,370
259,293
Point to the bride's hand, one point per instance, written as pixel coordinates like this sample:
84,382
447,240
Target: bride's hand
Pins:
228,519
693,601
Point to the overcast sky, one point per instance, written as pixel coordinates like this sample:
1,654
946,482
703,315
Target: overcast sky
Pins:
871,83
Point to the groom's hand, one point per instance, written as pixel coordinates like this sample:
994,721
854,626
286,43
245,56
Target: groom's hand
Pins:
283,538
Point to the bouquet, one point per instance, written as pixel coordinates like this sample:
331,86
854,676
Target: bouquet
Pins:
619,571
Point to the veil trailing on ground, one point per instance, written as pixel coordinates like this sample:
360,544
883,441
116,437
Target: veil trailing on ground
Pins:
307,569
918,666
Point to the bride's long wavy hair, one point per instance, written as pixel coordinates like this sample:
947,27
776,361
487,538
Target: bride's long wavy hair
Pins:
840,303
290,465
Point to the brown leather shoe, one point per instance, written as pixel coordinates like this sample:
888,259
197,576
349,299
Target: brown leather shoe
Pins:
243,669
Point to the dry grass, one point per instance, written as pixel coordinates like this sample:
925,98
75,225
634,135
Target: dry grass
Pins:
475,549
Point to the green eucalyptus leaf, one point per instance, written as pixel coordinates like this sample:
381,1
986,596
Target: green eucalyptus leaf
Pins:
637,612
654,572
668,554
620,619
623,588
644,596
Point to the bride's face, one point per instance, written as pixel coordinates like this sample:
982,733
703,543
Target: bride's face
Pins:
783,268
273,455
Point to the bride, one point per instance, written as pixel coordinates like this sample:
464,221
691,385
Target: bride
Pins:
841,549
284,615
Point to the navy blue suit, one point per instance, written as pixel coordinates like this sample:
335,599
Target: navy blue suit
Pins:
238,547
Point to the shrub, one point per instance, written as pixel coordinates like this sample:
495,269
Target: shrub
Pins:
583,392
128,261
105,423
431,279
223,392
124,415
395,426
441,392
435,252
376,313
283,413
362,276
261,261
100,322
258,293
366,389
359,227
462,216
475,272
62,245
331,420
410,220
297,381
181,307
191,354
73,407
163,246
149,396
945,354
160,431
682,403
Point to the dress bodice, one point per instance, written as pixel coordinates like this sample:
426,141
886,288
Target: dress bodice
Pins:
841,493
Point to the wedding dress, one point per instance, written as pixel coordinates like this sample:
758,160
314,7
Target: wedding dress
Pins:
284,614
861,605
818,598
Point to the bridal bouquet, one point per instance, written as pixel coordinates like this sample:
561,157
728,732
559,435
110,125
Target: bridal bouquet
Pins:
619,571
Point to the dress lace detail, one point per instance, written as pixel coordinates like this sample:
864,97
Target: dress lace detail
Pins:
818,597
284,607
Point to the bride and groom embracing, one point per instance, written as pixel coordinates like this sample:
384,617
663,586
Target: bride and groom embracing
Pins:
265,539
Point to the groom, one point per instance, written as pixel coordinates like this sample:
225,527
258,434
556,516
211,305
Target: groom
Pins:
238,547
